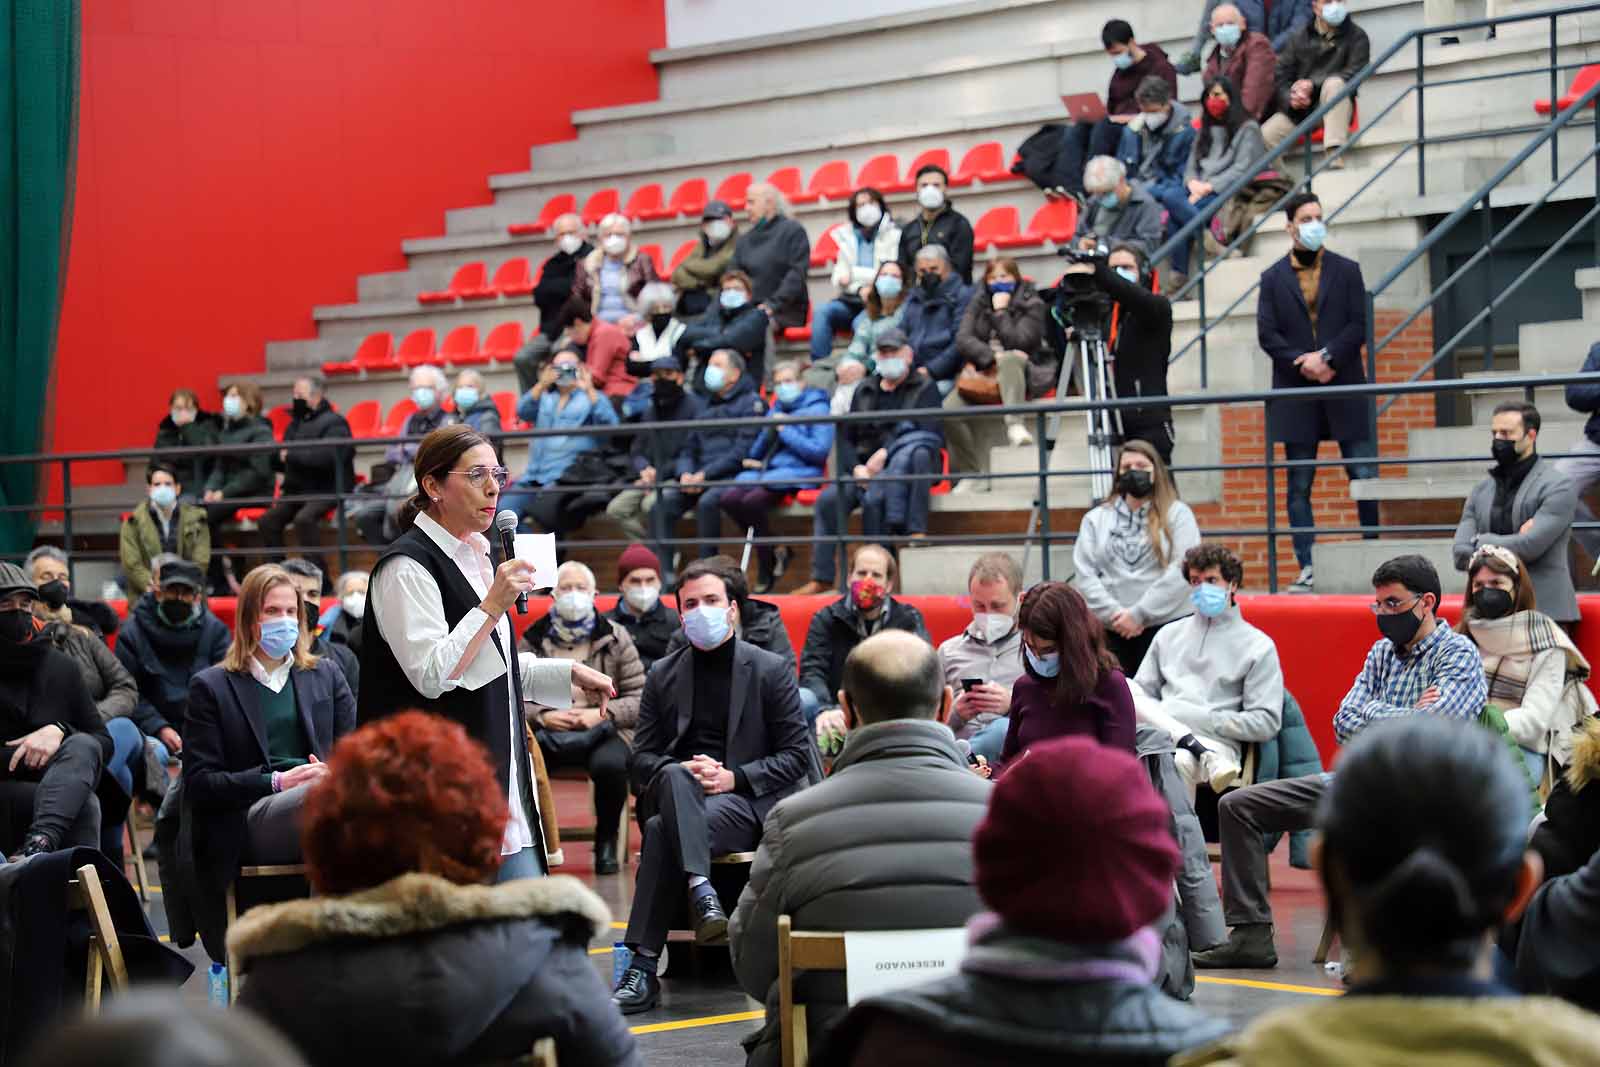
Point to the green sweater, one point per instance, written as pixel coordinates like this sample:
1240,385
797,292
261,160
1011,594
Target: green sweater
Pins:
287,747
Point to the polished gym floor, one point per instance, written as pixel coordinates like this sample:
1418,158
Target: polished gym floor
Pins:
703,1014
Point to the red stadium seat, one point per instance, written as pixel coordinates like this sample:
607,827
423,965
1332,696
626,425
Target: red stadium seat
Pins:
466,281
506,404
511,279
605,202
280,417
787,182
643,199
398,415
363,418
832,180
503,342
688,200
732,190
654,252
1055,221
1582,83
460,348
799,333
994,224
825,251
555,207
684,251
938,157
1319,133
880,172
986,163
418,348
940,488
375,353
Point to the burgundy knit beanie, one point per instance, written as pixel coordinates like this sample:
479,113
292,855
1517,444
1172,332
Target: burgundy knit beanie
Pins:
1077,845
634,557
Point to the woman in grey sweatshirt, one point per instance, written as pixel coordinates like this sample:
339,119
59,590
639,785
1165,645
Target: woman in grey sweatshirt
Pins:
1229,146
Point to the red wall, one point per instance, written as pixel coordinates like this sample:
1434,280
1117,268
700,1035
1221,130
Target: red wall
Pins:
241,161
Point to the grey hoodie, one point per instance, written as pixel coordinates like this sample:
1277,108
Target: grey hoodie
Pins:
1220,677
1116,567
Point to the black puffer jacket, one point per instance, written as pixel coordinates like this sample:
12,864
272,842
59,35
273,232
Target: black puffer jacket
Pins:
242,475
833,635
197,434
652,634
423,971
313,470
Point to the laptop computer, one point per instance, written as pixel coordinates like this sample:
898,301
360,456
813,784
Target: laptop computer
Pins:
1084,107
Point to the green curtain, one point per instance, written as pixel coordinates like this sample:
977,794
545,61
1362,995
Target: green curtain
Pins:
39,46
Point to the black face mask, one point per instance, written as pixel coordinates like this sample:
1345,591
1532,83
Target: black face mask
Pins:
301,408
1135,483
1491,603
659,323
1400,628
929,281
176,612
668,393
54,594
1505,452
16,626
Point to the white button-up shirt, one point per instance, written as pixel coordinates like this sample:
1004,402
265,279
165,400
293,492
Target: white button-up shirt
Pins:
277,677
436,659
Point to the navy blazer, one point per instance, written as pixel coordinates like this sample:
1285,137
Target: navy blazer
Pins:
1284,331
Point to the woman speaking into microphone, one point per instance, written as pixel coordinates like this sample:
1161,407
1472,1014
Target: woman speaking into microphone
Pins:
438,634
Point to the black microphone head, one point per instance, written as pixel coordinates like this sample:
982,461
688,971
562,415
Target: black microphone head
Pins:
506,521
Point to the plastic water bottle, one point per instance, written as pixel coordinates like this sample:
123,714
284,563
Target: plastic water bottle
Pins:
620,958
218,986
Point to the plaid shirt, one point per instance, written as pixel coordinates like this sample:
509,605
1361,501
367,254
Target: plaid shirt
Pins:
1390,684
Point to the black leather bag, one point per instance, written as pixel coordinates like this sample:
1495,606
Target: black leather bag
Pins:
558,743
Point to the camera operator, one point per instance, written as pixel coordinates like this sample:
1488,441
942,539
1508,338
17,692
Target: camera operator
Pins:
1138,332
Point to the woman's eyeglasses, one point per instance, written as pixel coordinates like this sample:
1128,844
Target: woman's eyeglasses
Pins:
477,475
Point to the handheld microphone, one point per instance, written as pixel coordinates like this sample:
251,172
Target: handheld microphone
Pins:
506,523
965,748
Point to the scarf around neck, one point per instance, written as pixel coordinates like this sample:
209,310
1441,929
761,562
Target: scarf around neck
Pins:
571,633
1508,647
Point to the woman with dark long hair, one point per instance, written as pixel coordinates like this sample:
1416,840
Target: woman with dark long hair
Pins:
1070,683
1228,147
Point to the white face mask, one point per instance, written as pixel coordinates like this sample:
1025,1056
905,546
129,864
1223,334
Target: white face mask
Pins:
718,230
355,604
992,626
615,245
1154,120
575,606
642,598
570,243
931,197
868,215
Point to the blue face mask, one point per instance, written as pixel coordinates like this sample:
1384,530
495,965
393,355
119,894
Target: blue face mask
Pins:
706,626
163,496
424,397
892,369
1209,600
232,407
1333,13
466,396
716,378
1129,275
278,636
789,392
1044,666
888,286
1002,287
733,299
1313,233
1227,36
1111,200
1122,60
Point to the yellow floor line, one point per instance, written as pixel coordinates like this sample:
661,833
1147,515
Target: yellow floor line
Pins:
619,926
691,1024
1280,987
600,951
163,937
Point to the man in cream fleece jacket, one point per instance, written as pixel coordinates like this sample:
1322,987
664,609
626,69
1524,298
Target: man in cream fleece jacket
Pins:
1211,680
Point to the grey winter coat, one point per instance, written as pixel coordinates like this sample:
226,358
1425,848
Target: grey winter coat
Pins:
1222,160
1138,222
902,804
1546,496
113,689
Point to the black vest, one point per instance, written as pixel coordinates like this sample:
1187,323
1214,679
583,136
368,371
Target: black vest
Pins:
385,689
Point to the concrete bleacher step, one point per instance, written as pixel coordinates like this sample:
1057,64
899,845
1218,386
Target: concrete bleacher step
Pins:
1347,566
1555,347
941,570
1545,397
1557,434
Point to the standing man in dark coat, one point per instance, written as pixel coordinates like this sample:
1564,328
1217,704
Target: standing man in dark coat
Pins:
1311,320
556,276
318,472
776,253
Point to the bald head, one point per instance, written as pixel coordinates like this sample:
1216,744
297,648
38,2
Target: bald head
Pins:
894,675
1225,15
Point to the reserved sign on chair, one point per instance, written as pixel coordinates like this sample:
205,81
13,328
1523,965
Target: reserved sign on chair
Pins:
883,961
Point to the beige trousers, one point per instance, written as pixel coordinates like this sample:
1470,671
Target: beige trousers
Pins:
1335,127
970,439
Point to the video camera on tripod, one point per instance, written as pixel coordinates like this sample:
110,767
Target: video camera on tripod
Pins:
1084,311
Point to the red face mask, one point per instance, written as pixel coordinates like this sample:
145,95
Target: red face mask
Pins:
867,593
1217,106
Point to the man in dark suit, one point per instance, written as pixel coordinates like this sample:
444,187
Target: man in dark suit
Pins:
1311,319
721,739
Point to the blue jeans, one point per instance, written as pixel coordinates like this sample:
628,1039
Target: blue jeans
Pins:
810,705
519,865
1300,479
827,320
519,497
990,738
1179,213
127,745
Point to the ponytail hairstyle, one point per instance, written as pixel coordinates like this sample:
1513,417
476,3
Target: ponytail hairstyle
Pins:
1423,834
436,458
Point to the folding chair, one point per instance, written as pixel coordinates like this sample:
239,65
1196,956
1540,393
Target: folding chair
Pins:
130,833
287,870
84,893
801,951
588,833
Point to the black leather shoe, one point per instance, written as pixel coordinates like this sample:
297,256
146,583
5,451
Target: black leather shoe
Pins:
710,921
605,855
638,991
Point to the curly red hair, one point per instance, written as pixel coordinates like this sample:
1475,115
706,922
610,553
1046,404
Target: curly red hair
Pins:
411,792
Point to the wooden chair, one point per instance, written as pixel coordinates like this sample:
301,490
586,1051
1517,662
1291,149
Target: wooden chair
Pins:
801,951
84,893
288,870
131,833
1325,945
587,833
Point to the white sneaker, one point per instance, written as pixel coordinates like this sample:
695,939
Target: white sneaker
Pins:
1218,770
1019,435
1183,759
1306,583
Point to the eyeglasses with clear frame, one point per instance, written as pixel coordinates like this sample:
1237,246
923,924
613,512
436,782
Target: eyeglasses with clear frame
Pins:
475,476
1392,605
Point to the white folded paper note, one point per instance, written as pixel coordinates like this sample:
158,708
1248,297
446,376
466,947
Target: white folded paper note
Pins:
539,550
881,961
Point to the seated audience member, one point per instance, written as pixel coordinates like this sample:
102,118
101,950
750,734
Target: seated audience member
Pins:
1211,680
698,278
1165,130
475,405
983,661
1536,676
610,277
657,338
774,254
734,322
379,520
186,426
1526,505
1228,148
1070,683
933,314
593,734
1075,860
866,609
1116,210
900,774
1422,856
714,455
258,732
881,312
404,832
869,447
170,636
721,739
655,456
163,523
307,578
640,609
342,622
231,478
1001,335
47,566
1246,58
1278,22
1315,65
56,741
1128,558
564,398
603,347
1419,666
309,471
783,459
938,223
550,295
1131,64
759,622
145,1028
868,238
